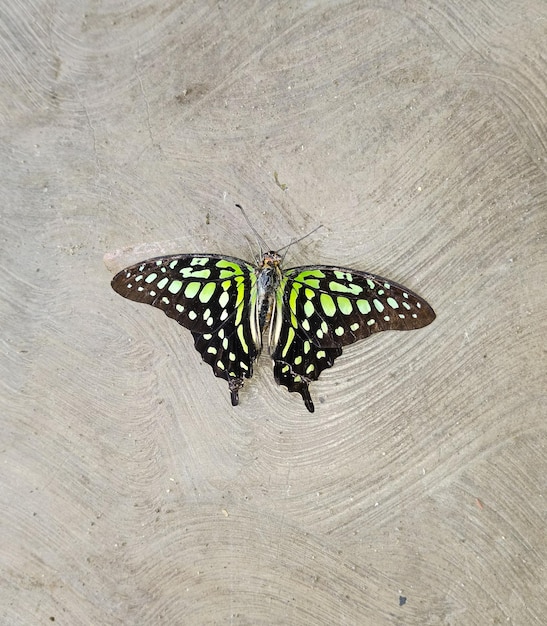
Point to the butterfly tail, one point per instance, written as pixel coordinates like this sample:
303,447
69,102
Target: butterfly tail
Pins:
284,375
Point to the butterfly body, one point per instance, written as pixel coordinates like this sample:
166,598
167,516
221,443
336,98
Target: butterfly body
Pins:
309,313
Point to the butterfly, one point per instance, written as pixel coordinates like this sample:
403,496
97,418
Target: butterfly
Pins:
309,313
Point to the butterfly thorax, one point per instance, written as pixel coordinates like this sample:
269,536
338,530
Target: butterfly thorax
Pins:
268,278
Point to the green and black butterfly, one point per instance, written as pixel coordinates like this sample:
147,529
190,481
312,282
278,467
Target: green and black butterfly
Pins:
310,312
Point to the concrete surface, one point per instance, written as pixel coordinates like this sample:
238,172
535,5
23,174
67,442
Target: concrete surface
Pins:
131,491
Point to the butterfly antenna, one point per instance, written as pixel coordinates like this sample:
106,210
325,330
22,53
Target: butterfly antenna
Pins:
262,246
287,247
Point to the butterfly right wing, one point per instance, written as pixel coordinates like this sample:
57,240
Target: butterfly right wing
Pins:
211,295
325,308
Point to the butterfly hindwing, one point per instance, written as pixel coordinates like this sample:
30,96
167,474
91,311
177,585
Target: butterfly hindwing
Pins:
208,294
325,308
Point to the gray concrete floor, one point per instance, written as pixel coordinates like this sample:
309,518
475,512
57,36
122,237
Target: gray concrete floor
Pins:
131,491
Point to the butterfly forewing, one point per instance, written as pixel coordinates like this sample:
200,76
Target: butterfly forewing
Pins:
325,308
208,294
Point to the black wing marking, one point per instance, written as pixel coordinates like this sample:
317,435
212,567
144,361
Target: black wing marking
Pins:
325,308
207,293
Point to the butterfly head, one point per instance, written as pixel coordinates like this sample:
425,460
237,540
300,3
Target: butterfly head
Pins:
271,260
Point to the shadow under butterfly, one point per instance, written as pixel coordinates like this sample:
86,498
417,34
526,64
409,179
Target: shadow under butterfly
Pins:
308,313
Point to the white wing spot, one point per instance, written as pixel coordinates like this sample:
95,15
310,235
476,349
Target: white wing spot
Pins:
378,305
192,315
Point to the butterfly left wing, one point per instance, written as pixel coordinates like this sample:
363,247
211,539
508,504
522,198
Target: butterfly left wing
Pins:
210,295
325,308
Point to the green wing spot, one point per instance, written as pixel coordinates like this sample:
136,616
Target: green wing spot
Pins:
298,360
311,278
378,305
190,272
344,305
354,327
294,295
328,304
239,300
343,275
290,338
339,331
197,260
353,289
151,278
201,274
310,368
242,339
371,284
228,269
321,354
307,347
393,303
207,292
191,290
364,306
306,325
309,309
309,293
163,282
175,286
